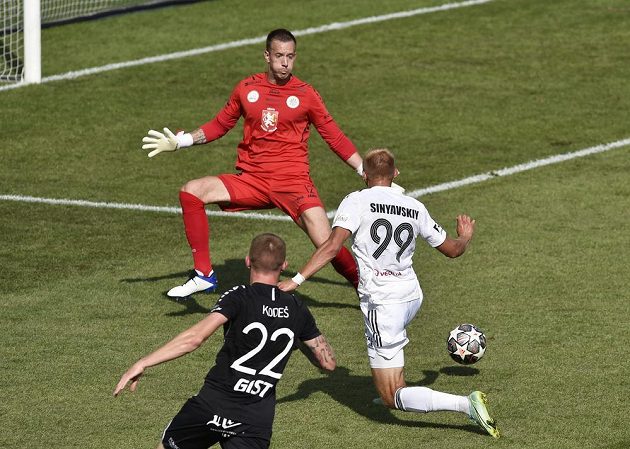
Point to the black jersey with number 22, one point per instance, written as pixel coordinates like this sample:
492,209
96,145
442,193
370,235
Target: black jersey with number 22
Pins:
263,327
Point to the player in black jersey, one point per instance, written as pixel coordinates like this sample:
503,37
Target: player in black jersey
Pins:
261,325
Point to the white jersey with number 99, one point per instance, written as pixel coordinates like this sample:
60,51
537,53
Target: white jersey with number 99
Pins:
385,224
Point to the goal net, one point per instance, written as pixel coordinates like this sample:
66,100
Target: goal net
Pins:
14,31
11,40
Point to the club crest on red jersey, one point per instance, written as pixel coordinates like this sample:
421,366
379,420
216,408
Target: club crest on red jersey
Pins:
269,120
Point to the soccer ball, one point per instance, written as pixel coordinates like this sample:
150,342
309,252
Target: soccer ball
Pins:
466,344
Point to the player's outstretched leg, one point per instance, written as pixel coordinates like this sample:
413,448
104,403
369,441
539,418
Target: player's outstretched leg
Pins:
423,400
197,230
479,413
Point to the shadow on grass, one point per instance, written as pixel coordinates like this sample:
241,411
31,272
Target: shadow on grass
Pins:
357,392
463,371
234,272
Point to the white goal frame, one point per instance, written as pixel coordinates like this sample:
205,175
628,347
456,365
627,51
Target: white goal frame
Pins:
25,50
32,42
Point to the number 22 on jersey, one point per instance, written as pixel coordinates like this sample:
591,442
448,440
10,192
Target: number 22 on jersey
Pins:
257,386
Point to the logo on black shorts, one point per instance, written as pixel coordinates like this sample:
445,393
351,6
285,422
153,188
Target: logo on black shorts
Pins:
223,423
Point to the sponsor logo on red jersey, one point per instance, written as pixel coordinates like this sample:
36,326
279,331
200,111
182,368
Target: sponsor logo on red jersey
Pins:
269,120
253,96
293,102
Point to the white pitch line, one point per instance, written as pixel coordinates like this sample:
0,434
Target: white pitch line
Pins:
244,42
520,168
141,207
415,193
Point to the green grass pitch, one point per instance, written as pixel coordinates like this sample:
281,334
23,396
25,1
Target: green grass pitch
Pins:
453,94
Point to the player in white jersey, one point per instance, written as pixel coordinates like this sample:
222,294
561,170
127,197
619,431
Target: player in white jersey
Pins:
385,224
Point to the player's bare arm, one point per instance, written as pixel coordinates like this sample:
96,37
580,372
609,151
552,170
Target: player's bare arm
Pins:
355,161
199,137
456,247
324,254
182,344
319,353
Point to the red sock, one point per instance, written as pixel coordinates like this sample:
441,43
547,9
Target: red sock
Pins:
346,266
197,231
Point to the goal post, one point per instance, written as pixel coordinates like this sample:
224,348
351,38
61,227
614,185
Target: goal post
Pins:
21,22
32,42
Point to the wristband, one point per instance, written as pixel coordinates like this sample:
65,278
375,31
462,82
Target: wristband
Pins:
298,279
184,139
359,169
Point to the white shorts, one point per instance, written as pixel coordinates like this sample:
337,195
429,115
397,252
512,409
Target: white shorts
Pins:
385,331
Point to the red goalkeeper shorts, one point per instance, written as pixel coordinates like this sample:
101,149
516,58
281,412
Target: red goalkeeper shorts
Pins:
291,195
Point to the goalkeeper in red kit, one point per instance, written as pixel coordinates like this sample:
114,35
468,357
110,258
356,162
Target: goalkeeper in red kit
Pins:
272,163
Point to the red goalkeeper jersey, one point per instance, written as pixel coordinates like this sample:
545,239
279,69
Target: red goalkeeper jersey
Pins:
277,125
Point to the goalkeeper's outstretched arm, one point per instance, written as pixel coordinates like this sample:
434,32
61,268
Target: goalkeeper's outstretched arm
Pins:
216,128
159,142
198,137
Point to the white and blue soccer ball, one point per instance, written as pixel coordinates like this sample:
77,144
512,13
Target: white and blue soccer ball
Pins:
466,344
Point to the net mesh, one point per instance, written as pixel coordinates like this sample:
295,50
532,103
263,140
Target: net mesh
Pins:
11,40
52,11
58,10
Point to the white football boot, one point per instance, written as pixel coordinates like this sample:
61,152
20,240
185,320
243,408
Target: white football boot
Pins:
198,283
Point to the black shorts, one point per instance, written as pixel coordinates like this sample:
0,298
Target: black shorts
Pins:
196,427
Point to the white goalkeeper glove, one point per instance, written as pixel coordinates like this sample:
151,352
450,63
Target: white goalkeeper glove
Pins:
394,186
158,142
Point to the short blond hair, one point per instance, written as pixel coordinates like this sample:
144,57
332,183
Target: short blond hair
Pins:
267,252
379,163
